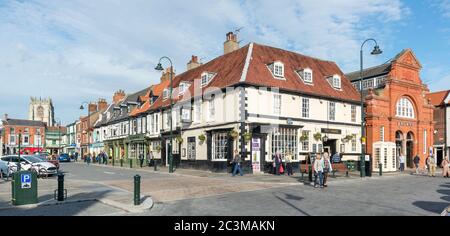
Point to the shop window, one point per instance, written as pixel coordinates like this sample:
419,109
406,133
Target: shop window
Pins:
191,148
219,146
284,140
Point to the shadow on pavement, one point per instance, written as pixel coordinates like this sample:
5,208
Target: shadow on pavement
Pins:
291,197
61,209
436,207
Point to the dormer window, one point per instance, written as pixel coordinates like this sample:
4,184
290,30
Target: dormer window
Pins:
278,69
183,87
306,75
335,81
165,93
206,78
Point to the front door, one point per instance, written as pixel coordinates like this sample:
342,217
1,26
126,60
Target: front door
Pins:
327,149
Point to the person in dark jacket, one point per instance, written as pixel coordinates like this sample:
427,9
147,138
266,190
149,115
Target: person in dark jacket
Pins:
237,160
141,159
277,162
416,163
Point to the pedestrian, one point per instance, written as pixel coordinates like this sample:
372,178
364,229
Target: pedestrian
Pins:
416,163
318,171
432,165
289,163
150,158
88,158
276,163
237,161
76,156
445,167
402,162
141,159
327,168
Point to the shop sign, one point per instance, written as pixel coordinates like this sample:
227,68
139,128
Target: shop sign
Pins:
331,131
256,154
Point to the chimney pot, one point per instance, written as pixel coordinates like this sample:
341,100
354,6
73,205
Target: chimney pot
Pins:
193,63
231,44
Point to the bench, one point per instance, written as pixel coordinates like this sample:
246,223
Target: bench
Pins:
340,167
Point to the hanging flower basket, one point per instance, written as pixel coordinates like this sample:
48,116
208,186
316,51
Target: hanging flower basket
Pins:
247,136
317,136
179,139
349,137
202,138
304,138
158,149
234,134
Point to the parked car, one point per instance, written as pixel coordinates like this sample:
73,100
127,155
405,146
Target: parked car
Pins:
45,157
8,164
31,163
64,157
3,168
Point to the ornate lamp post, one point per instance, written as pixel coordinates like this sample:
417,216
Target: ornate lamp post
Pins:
160,68
376,51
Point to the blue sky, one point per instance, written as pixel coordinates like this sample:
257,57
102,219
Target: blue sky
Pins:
80,50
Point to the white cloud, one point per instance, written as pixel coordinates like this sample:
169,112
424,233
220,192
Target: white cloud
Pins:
81,50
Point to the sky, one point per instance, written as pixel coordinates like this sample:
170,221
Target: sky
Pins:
82,50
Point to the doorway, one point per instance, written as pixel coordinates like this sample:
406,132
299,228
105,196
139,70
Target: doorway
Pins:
330,146
409,150
439,156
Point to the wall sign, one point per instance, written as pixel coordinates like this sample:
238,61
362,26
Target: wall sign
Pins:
331,131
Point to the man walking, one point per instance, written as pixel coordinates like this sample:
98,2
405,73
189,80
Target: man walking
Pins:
402,162
237,160
416,163
432,162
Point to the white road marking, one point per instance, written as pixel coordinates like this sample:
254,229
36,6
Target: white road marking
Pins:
109,173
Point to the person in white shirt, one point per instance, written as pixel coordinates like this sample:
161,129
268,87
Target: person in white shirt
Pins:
402,162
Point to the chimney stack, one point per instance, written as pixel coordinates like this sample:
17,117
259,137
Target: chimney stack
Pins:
102,104
92,107
231,44
166,74
118,95
193,63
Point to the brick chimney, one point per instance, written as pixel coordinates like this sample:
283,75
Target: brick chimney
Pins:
92,107
102,104
193,63
231,44
119,95
166,74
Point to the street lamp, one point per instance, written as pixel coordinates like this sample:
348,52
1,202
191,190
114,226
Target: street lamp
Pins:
160,68
376,51
87,132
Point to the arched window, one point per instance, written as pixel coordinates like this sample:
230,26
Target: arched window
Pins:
405,108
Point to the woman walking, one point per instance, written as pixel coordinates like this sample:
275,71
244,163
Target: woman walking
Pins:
445,167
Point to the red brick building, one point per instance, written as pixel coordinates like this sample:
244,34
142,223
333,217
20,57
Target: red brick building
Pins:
399,116
32,135
441,102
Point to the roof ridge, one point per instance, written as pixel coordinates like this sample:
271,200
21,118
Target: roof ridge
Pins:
247,63
303,55
369,68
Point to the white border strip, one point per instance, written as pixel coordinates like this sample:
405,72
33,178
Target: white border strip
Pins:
247,63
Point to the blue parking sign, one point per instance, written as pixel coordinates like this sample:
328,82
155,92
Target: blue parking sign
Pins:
25,180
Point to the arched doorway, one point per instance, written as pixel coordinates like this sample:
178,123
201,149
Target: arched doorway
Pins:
409,149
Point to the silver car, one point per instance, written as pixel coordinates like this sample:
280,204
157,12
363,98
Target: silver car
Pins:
30,163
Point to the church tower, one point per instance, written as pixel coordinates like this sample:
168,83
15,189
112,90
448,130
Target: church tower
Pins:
42,110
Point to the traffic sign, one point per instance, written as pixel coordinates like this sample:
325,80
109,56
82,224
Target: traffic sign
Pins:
25,180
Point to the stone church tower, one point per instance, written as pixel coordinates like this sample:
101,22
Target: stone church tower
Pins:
42,110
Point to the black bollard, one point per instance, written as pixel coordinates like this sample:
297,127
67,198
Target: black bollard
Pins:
137,190
155,165
380,166
60,187
310,173
121,162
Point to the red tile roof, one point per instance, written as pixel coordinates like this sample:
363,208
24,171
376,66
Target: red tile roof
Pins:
438,98
229,70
